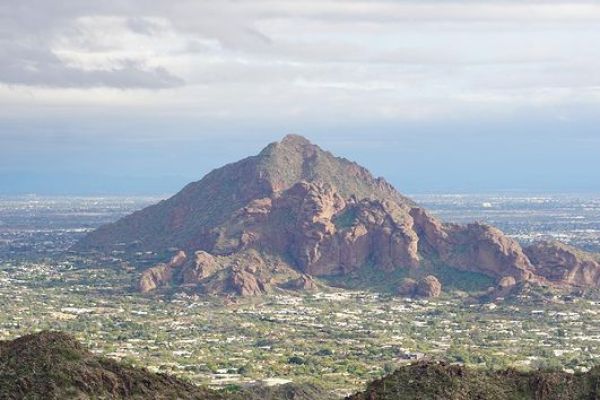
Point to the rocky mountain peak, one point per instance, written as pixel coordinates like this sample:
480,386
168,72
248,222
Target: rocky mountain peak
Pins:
292,139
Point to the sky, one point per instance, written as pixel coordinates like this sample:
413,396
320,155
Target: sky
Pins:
144,96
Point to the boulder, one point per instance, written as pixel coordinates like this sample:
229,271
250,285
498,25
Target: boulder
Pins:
407,287
429,287
245,283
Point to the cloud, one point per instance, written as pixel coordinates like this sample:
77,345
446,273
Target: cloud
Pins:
35,54
41,67
362,59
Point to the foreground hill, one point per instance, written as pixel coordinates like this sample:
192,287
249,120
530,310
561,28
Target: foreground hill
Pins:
55,366
430,381
294,212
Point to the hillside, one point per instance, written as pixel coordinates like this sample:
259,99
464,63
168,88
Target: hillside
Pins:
55,366
431,381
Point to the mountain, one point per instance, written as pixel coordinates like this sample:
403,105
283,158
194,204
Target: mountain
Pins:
428,380
295,212
55,366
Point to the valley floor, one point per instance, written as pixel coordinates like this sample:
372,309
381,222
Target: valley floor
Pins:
342,338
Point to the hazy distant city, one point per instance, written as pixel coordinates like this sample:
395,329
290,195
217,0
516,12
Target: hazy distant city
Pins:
37,226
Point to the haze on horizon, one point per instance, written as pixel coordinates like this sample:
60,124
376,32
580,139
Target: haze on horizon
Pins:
141,97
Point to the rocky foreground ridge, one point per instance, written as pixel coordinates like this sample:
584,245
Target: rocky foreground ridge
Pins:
427,380
295,212
55,366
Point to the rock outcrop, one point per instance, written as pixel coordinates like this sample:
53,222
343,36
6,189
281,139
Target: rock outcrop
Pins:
203,266
305,282
295,210
473,247
407,287
507,282
161,274
564,264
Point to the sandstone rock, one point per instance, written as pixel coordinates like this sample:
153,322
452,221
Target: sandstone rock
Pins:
564,264
473,247
429,287
203,266
178,259
314,206
154,277
507,282
332,236
161,274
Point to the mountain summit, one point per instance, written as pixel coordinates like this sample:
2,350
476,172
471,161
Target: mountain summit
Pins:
294,212
185,220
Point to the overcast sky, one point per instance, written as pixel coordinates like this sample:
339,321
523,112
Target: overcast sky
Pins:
141,96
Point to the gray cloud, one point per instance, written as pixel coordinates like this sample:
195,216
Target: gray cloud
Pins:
40,67
30,31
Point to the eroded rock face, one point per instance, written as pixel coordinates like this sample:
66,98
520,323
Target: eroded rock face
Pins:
179,270
564,264
427,287
329,235
313,206
305,282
